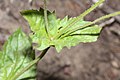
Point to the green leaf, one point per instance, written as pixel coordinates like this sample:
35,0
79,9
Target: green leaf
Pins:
0,60
60,35
16,55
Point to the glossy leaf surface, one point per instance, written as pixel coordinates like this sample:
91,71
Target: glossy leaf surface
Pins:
16,55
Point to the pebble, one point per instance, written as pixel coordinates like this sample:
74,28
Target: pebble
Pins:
115,64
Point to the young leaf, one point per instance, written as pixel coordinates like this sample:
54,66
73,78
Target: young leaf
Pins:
37,25
16,54
39,36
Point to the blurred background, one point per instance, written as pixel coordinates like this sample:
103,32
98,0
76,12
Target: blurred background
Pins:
89,61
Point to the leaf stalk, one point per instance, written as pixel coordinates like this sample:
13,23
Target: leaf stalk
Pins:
45,17
81,16
92,23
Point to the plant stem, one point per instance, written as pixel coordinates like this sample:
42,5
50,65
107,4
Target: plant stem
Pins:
107,16
79,17
45,17
31,64
95,21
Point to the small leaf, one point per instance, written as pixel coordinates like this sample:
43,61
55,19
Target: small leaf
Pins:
16,55
57,27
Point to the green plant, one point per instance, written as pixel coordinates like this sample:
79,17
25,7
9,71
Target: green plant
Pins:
17,59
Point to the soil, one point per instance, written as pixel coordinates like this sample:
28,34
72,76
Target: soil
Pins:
99,60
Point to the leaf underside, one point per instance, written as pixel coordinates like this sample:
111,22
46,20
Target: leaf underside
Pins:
16,55
39,35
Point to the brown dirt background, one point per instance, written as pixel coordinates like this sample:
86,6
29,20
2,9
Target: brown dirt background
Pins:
87,61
